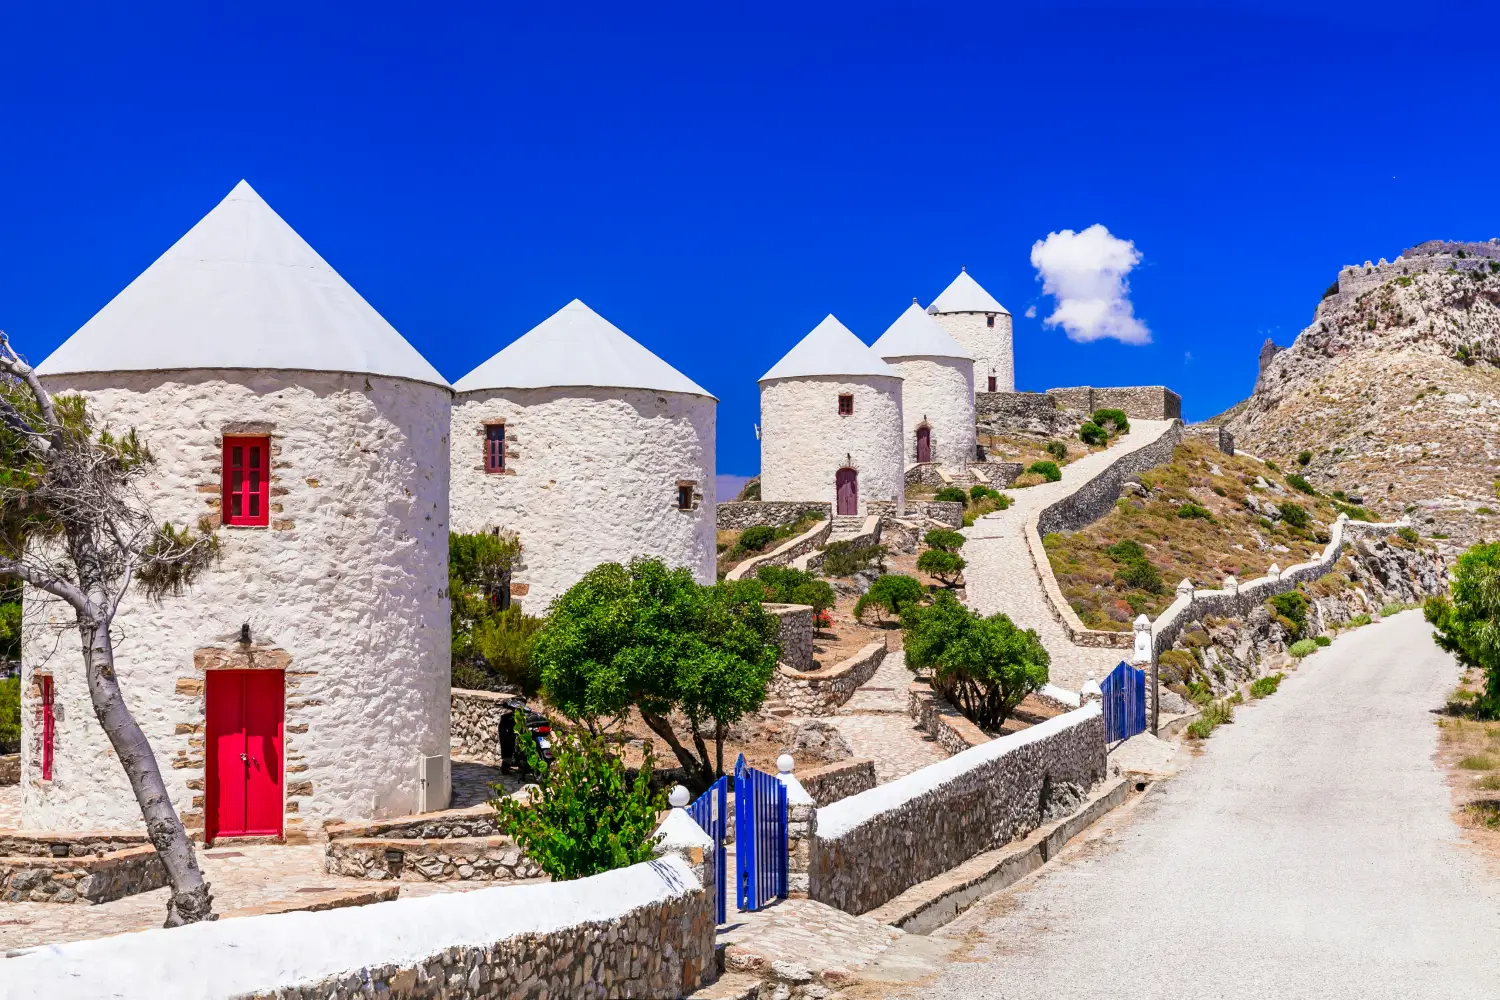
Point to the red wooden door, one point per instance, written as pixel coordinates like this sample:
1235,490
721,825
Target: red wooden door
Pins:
847,482
924,444
244,766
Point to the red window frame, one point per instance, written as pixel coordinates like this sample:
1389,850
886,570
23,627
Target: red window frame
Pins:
247,480
48,726
846,404
494,447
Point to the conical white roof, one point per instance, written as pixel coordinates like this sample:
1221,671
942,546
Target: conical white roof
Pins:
830,349
915,333
575,346
240,290
965,295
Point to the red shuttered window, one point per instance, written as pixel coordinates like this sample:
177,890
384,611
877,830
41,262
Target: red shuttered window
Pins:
47,727
247,480
494,448
846,405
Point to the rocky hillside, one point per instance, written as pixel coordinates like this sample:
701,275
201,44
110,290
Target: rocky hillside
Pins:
1392,396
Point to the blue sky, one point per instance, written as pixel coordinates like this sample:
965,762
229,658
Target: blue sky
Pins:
716,178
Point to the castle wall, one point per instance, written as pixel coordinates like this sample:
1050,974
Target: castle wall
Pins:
804,441
990,346
591,477
1433,256
940,393
345,590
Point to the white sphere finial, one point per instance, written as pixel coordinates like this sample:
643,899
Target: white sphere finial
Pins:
784,763
678,797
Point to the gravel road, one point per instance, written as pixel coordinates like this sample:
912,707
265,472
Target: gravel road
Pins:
1308,852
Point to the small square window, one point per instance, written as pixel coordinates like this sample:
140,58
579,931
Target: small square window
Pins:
247,480
989,321
846,404
685,496
494,448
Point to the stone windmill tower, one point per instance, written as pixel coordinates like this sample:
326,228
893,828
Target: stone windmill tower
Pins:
982,326
937,390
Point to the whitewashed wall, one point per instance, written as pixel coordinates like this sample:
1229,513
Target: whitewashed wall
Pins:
349,582
595,480
940,393
992,348
804,441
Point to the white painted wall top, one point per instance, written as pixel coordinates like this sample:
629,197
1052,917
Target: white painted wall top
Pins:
830,349
577,346
916,334
240,290
965,295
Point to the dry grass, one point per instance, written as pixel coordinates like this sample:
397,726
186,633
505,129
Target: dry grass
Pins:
1469,752
1028,448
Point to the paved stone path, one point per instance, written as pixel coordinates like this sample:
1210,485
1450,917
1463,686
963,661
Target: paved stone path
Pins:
1000,576
875,722
1308,852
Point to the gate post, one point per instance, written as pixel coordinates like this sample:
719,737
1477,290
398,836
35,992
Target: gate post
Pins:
801,828
1145,654
681,835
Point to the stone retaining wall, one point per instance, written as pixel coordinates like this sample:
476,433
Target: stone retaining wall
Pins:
871,847
89,878
821,692
475,727
741,514
795,632
460,859
1217,437
10,769
869,534
39,843
1017,406
808,541
997,475
475,821
831,782
937,718
642,931
1140,402
949,512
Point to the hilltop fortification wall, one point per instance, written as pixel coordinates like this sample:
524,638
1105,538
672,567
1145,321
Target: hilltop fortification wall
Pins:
1434,255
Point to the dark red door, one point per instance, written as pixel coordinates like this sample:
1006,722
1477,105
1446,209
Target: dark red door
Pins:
924,444
244,767
847,482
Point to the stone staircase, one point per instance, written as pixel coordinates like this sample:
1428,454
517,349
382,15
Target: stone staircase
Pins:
846,526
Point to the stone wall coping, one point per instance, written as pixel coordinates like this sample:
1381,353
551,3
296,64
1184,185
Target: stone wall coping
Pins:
839,669
841,817
73,836
810,773
786,551
940,720
258,955
75,862
443,845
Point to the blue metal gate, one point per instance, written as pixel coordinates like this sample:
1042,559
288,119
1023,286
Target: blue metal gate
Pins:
1124,702
711,813
759,836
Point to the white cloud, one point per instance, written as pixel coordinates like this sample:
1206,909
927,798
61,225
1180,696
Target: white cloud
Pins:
1031,312
1085,272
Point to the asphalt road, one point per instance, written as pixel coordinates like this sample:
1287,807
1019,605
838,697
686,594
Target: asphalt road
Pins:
1309,852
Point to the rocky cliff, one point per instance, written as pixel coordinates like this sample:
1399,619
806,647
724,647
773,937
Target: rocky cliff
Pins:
1392,395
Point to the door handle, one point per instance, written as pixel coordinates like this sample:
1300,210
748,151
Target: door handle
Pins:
245,758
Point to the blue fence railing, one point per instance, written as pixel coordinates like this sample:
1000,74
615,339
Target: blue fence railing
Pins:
711,813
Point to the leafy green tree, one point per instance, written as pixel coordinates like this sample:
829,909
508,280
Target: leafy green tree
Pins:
1466,621
10,715
784,585
587,816
491,636
941,538
890,593
650,638
985,666
942,564
10,622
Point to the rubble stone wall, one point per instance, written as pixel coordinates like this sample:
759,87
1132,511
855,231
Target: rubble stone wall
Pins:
940,720
474,732
10,769
738,515
475,821
821,692
459,859
795,630
831,782
88,878
949,512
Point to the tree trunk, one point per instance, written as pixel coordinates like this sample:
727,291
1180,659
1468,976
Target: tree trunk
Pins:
697,769
190,900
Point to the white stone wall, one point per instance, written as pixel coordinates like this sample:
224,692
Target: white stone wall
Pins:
346,587
938,392
991,347
804,441
591,477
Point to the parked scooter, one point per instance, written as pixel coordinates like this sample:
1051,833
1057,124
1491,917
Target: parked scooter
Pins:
511,757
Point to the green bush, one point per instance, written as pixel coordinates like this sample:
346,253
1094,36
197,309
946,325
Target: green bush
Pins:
1003,501
984,666
784,585
1464,620
845,558
942,564
951,494
1358,621
1188,511
1293,514
1092,433
1058,450
10,624
1213,715
889,594
588,816
1394,608
1272,466
1267,685
979,491
1322,640
1127,550
1047,470
757,537
1142,576
1292,606
941,538
1303,458
1302,647
1296,482
479,607
1409,535
1114,418
504,641
10,715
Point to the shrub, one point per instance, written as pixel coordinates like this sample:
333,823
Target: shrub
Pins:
587,816
1478,762
942,564
1142,576
1092,433
1299,484
1057,450
1003,501
1409,535
889,594
1266,685
10,715
1292,606
1302,647
1464,620
1303,458
1214,715
941,538
10,624
985,666
1191,510
1293,513
1127,550
979,491
1049,470
479,568
1358,620
1394,608
757,537
1322,640
1115,419
1272,466
846,558
505,641
951,494
784,585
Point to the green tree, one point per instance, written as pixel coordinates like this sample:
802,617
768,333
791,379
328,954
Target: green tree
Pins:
985,666
587,815
650,638
1466,621
10,622
491,636
10,715
942,564
784,585
942,538
890,593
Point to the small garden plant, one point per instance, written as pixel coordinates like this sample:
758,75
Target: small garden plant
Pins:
951,494
1047,470
1302,647
1262,687
889,594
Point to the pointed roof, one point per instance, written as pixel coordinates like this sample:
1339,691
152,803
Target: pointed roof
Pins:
240,290
830,349
575,346
917,334
965,295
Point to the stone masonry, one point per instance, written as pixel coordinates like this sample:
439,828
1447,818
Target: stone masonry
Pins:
821,692
740,514
475,732
795,631
459,859
89,878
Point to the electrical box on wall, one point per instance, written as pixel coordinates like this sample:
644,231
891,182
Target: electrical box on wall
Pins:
433,775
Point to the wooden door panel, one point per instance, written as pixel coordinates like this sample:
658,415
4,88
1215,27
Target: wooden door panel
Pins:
245,771
225,741
263,778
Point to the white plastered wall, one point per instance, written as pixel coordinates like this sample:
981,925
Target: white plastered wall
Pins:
349,581
804,441
592,477
938,392
991,347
